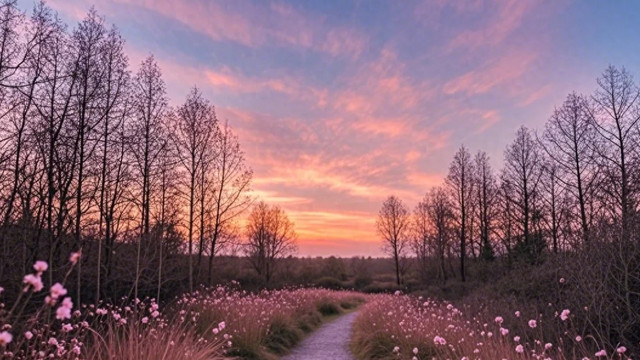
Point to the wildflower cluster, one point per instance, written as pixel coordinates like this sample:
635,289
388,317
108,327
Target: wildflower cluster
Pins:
255,321
406,327
54,328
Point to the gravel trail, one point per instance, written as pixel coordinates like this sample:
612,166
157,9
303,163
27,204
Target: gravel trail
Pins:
329,342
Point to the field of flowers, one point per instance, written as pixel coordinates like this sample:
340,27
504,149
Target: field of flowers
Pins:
207,324
405,327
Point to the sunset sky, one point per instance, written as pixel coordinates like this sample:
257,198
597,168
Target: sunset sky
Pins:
339,104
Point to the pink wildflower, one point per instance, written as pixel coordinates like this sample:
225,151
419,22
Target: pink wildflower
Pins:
565,314
64,311
438,340
57,290
601,353
5,338
74,257
532,324
34,281
40,266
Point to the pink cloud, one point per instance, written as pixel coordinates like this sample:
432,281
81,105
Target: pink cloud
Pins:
254,25
509,16
537,95
506,69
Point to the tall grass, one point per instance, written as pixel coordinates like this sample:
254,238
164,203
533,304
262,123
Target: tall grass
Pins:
207,324
404,327
266,324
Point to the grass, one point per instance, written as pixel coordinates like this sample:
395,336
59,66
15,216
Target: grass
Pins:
407,327
268,324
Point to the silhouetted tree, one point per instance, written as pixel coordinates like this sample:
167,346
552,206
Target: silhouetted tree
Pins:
522,174
148,129
460,184
441,220
270,236
567,140
195,125
486,199
231,182
615,115
393,226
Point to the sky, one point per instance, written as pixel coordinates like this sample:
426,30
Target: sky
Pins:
339,104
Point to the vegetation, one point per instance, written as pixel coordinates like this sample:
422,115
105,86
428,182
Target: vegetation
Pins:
207,324
563,207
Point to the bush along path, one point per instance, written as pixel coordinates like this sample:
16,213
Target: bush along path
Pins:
331,341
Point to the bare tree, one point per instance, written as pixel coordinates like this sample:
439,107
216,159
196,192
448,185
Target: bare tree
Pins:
441,218
615,115
88,44
195,126
149,133
486,198
54,138
112,168
567,141
555,203
522,173
232,180
270,236
422,236
460,184
393,226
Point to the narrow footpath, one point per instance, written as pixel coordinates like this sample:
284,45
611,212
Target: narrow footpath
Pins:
329,342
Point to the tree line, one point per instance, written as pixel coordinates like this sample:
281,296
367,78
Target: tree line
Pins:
94,159
571,185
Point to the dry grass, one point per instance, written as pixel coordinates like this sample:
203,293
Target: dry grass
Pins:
404,327
267,324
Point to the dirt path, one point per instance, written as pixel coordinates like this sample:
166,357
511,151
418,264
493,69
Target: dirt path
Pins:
329,342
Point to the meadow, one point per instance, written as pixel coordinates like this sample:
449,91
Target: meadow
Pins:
220,322
209,323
